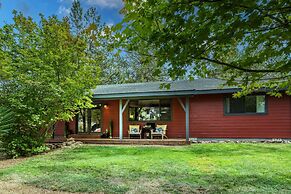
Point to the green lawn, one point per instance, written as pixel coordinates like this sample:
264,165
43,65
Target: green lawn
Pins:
199,168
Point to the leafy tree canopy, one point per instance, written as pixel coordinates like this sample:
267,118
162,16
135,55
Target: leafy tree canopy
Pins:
45,73
244,42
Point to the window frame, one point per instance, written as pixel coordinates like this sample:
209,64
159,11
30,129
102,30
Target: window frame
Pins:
245,113
136,121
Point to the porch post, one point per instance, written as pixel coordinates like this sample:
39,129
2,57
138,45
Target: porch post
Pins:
120,119
187,118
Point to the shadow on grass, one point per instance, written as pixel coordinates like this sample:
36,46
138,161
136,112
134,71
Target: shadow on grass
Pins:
104,152
77,182
226,183
200,183
233,149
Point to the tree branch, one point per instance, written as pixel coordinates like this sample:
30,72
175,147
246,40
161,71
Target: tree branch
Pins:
262,12
239,68
262,30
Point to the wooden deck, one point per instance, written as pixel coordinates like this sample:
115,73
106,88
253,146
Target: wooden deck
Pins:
94,140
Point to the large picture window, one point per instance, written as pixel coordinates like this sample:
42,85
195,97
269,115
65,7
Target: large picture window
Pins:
150,110
89,120
249,104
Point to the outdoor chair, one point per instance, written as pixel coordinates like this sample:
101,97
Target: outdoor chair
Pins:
161,130
134,130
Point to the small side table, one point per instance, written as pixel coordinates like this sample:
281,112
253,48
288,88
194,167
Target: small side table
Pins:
146,132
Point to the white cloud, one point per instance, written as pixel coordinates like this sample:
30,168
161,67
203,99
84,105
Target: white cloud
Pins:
63,10
109,4
110,24
62,1
105,3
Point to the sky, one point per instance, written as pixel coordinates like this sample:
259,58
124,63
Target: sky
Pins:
108,9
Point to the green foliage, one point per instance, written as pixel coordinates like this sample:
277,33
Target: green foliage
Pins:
200,168
22,144
15,142
133,67
115,65
6,121
244,42
46,74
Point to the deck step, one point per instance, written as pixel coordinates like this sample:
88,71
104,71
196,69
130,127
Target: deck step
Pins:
134,141
91,140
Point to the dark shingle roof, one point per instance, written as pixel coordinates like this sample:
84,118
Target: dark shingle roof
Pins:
177,88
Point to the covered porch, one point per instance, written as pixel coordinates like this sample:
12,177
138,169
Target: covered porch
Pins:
147,115
151,114
147,106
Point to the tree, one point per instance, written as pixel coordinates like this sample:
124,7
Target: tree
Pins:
87,25
139,68
101,46
244,42
45,72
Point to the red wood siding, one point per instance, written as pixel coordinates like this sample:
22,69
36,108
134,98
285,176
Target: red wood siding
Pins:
72,126
111,113
60,128
207,119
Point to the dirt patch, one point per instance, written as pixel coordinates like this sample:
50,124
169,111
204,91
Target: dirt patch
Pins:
14,187
10,162
180,187
146,186
5,163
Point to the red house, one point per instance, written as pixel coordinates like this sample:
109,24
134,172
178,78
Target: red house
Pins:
190,109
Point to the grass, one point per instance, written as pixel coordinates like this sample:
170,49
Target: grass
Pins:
199,168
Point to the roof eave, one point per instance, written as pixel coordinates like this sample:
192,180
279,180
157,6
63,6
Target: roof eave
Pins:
163,93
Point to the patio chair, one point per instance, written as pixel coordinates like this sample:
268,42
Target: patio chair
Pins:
161,130
134,130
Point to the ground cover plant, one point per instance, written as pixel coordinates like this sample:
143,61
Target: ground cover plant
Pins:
200,168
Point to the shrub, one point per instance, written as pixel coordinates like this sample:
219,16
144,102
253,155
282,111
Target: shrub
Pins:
16,141
24,144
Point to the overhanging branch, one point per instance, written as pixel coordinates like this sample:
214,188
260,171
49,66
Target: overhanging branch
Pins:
239,68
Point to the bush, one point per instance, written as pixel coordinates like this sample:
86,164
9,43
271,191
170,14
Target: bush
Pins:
16,141
24,145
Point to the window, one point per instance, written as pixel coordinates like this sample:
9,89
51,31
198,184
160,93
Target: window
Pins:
82,121
89,120
248,104
150,110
